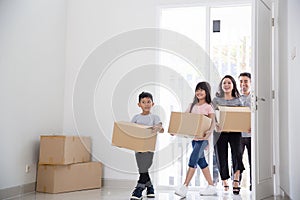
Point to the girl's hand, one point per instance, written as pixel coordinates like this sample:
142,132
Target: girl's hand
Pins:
207,134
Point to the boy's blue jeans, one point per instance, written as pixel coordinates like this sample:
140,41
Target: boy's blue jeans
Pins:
197,155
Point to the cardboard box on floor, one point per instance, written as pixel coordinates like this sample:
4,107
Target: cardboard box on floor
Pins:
134,136
63,149
67,178
234,119
188,124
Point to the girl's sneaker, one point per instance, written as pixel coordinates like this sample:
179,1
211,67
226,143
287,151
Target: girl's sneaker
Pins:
150,192
181,191
137,193
209,191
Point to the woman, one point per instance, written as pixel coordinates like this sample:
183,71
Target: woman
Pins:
228,95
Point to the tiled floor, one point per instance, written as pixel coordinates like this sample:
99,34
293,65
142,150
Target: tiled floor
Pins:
120,194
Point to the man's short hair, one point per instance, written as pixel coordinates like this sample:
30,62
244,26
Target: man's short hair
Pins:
245,74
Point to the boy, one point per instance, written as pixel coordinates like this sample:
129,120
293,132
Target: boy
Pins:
144,159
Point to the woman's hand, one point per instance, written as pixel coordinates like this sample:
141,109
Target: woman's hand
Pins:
218,128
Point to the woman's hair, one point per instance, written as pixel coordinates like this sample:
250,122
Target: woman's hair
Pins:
204,86
234,92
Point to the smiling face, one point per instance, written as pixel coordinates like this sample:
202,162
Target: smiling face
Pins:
227,85
200,94
146,104
245,84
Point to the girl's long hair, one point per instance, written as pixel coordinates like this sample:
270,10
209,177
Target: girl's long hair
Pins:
204,86
234,92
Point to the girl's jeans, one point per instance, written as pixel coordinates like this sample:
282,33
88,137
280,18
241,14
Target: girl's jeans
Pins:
197,156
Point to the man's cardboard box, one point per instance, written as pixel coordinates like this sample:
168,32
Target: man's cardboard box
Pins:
62,149
134,136
234,119
188,124
67,178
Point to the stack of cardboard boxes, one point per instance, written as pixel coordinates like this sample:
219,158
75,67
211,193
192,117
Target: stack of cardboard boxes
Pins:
65,165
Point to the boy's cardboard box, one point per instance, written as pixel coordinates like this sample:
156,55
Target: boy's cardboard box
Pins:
188,124
66,178
234,119
63,149
134,136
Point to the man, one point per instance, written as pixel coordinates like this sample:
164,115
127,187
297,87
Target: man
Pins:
245,82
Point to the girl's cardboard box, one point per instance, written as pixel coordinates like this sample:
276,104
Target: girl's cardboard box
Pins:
188,124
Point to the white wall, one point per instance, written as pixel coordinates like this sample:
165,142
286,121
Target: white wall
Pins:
90,23
289,32
32,38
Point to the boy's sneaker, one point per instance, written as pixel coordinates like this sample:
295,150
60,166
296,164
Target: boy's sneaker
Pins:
137,193
209,191
150,192
181,191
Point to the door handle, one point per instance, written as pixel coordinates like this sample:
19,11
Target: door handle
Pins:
260,99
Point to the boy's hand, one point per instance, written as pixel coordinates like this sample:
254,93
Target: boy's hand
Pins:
157,128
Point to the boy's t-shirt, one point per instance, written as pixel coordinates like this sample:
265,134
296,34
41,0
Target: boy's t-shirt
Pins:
203,109
148,120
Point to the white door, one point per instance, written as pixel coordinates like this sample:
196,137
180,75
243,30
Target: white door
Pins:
263,133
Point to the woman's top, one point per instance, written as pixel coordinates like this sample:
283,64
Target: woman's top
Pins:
219,101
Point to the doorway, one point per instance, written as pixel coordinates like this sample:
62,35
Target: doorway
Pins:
224,33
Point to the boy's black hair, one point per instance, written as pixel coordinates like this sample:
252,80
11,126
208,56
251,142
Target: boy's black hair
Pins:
245,74
145,94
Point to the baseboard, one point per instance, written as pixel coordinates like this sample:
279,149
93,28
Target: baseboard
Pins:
17,190
283,195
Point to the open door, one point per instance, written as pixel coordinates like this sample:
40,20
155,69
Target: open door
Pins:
263,131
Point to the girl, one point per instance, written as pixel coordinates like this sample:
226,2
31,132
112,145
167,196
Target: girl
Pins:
200,105
228,95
